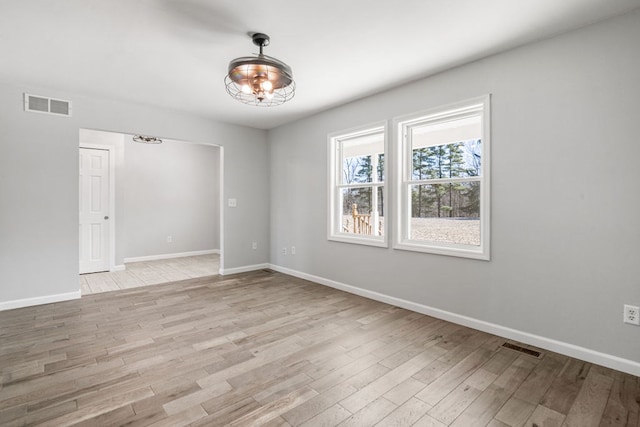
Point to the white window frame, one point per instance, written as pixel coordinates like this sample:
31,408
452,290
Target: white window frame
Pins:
402,200
335,186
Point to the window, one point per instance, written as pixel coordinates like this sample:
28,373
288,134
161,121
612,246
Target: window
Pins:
357,176
443,187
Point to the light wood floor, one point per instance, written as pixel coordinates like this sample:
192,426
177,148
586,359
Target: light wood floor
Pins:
264,348
145,273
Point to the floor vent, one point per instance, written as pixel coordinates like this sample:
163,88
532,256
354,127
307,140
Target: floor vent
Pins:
42,104
523,350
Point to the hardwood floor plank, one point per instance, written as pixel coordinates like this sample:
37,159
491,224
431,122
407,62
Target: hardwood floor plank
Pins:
481,379
589,405
97,409
276,422
262,356
404,391
263,348
485,407
432,372
283,387
500,361
377,388
565,387
118,416
453,377
348,370
515,374
100,390
449,408
536,385
330,417
370,414
13,412
182,418
325,362
42,415
168,394
515,412
51,386
228,413
631,399
319,404
364,378
427,421
196,398
406,414
275,408
543,416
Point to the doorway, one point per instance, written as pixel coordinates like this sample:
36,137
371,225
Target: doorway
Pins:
166,210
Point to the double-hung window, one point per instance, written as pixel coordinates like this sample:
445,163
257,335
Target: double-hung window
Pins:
443,187
357,190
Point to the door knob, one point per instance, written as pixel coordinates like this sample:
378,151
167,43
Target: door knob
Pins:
106,217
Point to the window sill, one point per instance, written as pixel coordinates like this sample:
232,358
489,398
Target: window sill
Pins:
460,251
367,241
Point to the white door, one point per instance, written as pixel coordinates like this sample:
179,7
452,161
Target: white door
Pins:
94,210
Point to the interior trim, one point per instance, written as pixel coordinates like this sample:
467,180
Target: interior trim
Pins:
245,269
47,299
167,256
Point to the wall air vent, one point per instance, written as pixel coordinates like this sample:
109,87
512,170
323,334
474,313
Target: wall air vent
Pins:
42,104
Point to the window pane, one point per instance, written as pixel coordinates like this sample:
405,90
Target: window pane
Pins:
357,216
459,159
356,170
380,167
381,226
362,158
446,213
381,201
446,149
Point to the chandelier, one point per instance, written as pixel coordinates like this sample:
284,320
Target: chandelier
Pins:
260,80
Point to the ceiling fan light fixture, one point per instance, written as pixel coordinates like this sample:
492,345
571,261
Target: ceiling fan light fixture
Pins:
260,80
147,139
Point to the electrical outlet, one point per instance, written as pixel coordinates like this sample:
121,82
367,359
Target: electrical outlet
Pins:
284,251
631,314
169,239
254,245
233,203
293,250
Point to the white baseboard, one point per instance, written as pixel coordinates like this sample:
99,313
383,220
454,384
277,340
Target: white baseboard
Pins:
614,362
245,269
167,256
48,299
120,267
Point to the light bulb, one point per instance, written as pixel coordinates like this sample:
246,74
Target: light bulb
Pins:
246,89
267,86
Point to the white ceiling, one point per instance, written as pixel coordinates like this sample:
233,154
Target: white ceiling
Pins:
174,53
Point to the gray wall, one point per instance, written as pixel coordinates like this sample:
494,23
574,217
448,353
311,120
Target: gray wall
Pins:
39,185
565,199
171,190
